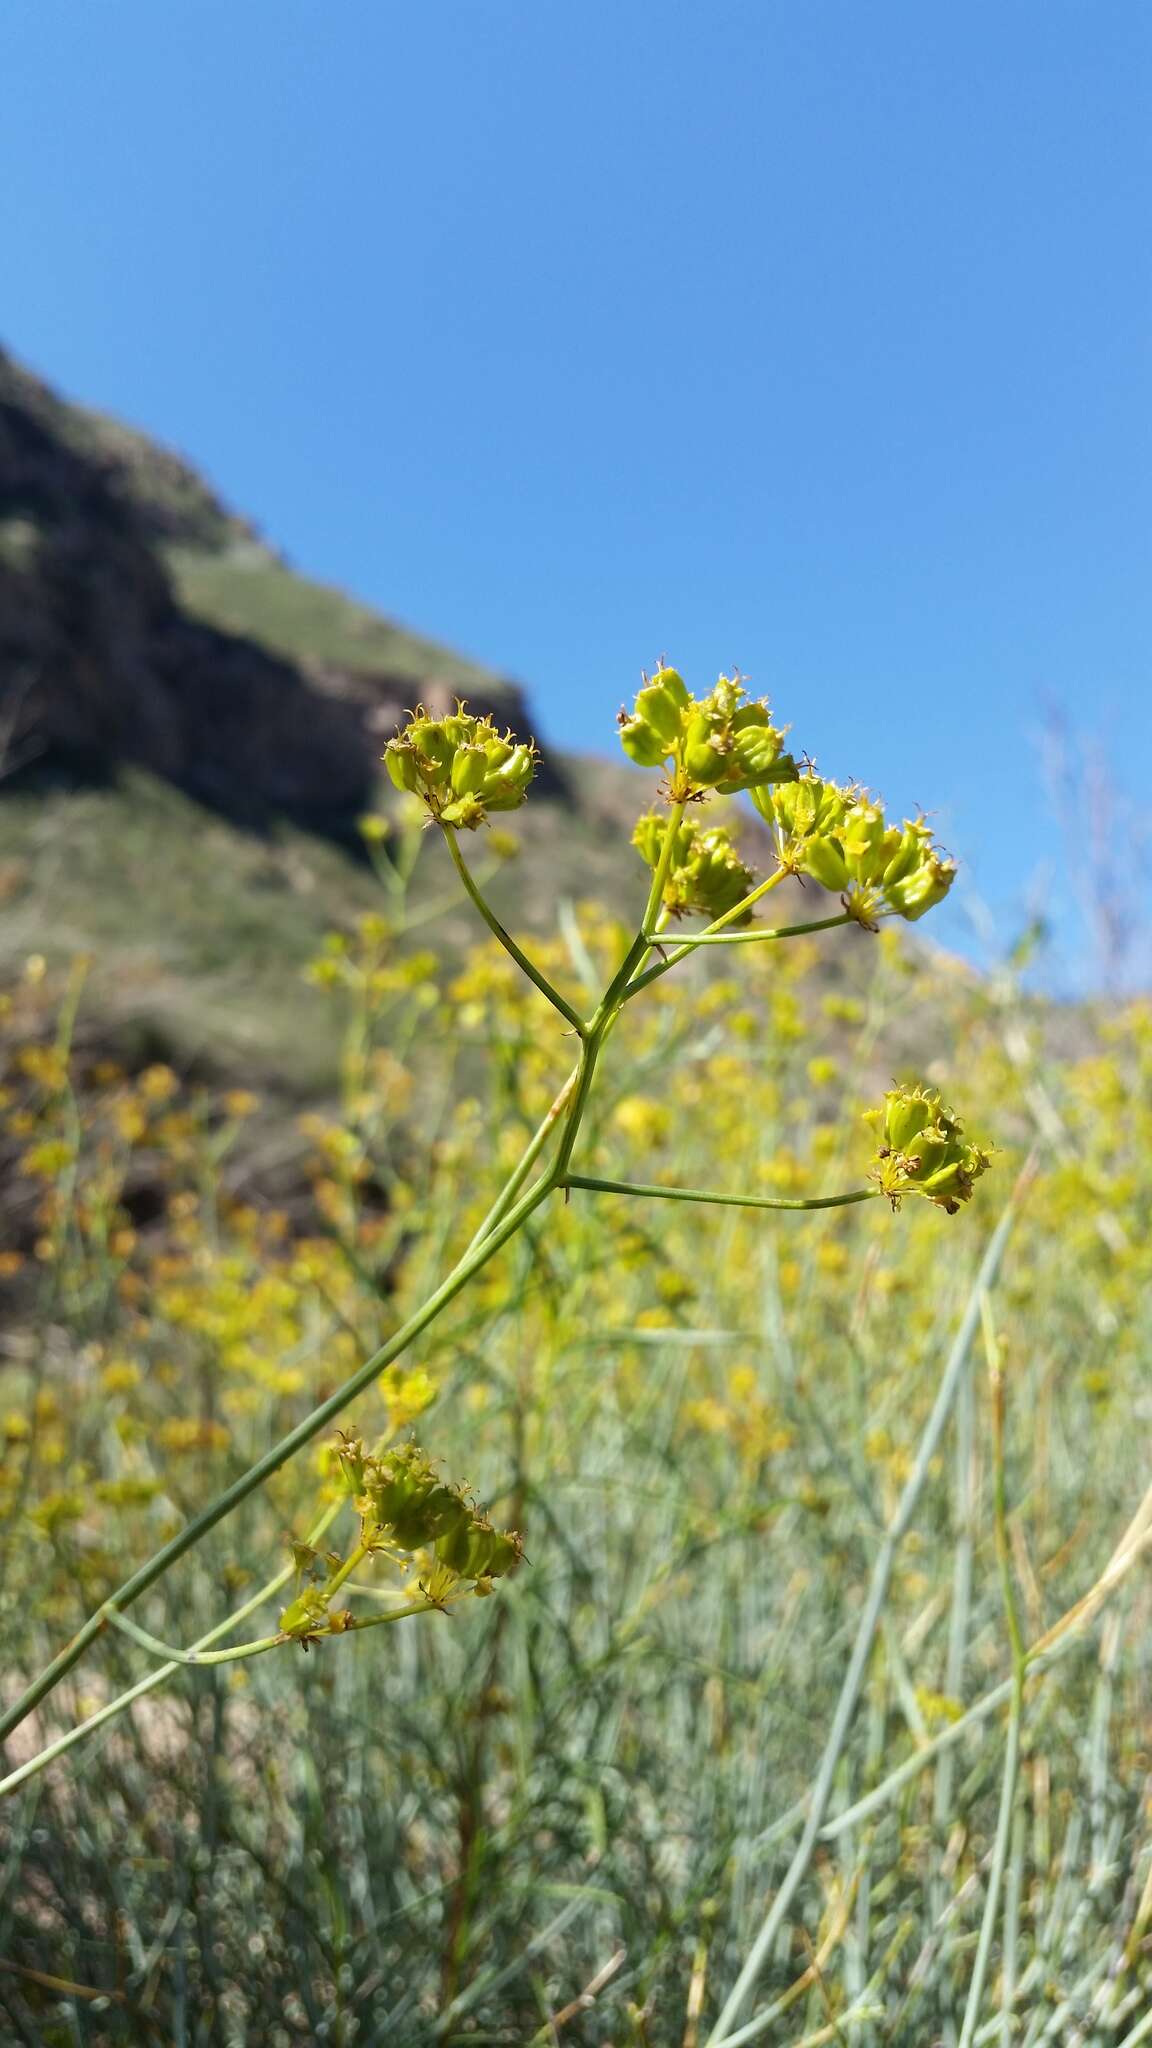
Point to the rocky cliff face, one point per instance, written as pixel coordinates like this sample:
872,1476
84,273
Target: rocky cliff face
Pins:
105,659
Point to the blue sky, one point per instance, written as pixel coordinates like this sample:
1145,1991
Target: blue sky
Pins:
808,337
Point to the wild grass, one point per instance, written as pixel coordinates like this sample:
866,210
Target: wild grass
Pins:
777,1477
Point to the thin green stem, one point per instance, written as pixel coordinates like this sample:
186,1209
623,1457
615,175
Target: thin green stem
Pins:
641,945
711,938
527,1160
759,936
635,1187
718,923
1011,1778
170,1655
494,925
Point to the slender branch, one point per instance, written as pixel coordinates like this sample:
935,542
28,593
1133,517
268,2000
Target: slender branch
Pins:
494,925
171,1655
635,1187
637,953
758,936
711,937
260,1644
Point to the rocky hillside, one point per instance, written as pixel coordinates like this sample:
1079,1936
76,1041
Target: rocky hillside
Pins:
190,731
143,623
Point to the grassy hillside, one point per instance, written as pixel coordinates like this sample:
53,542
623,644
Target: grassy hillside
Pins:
247,590
199,933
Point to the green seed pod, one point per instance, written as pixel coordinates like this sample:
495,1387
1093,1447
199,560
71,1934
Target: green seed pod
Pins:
403,766
662,704
506,785
436,749
865,840
906,1115
469,770
758,755
909,853
716,878
641,742
705,751
919,891
825,862
461,766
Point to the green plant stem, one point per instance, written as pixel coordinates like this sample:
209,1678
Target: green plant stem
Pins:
635,1187
642,944
527,1160
1011,1777
866,1632
711,938
759,936
494,925
261,1644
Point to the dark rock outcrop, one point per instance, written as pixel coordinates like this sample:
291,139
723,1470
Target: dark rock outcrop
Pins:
100,665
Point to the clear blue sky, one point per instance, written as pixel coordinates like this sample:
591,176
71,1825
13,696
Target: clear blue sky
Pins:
810,337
